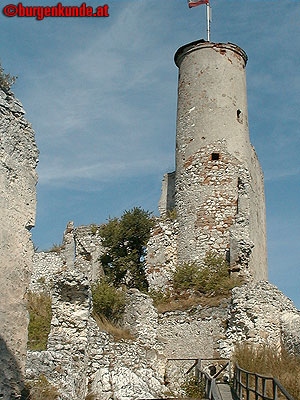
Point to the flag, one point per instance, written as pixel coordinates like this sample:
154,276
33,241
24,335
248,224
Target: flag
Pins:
195,3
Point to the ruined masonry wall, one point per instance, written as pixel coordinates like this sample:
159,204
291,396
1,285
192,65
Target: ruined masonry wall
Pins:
167,198
18,178
81,249
45,266
261,313
88,249
219,196
161,254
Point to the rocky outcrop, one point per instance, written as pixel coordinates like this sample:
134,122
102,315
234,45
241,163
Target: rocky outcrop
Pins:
66,360
18,178
261,313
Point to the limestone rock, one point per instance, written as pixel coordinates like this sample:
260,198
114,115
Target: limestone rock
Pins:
18,178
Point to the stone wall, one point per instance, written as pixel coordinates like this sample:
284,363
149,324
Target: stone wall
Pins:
88,249
217,171
81,358
80,251
161,254
18,178
167,198
261,313
65,362
46,265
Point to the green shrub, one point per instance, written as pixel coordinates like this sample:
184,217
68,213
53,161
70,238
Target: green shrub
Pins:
269,361
6,80
41,389
94,229
39,307
193,389
125,240
108,301
160,297
210,279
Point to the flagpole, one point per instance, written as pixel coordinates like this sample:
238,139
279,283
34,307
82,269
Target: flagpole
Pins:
208,21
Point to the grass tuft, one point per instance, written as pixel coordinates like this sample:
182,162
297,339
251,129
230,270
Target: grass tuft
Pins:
39,307
193,389
56,248
113,329
269,361
41,389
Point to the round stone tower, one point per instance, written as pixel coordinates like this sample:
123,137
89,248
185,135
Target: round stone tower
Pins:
219,190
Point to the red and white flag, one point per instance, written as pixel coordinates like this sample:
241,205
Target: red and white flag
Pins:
195,3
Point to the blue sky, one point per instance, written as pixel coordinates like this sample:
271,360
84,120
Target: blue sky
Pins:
101,96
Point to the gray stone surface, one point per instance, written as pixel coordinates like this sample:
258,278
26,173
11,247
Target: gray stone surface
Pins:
18,160
260,313
290,328
219,201
46,265
167,199
217,171
161,254
88,249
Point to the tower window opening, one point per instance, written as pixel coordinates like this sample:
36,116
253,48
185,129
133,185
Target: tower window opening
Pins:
215,156
239,116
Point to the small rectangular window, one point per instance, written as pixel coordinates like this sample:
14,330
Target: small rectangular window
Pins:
215,156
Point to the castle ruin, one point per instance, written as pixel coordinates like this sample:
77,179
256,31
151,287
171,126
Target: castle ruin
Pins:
218,197
217,190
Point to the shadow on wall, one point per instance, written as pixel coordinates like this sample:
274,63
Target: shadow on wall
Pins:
11,380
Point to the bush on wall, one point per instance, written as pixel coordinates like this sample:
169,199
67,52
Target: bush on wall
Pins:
125,240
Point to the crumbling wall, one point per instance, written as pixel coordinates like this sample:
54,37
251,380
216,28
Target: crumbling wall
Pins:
18,178
45,266
80,250
88,250
161,254
65,362
167,198
260,313
124,369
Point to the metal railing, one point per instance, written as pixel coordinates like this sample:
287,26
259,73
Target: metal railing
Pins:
249,385
211,388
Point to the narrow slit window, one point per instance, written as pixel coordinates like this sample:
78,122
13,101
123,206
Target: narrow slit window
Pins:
215,156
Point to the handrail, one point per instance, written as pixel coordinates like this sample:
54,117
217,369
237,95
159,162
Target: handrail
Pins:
212,391
241,389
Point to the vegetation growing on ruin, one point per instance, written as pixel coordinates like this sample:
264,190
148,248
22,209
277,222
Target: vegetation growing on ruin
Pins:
40,314
108,301
125,240
56,248
168,301
194,285
170,215
269,361
113,328
108,309
41,389
193,389
6,80
210,279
